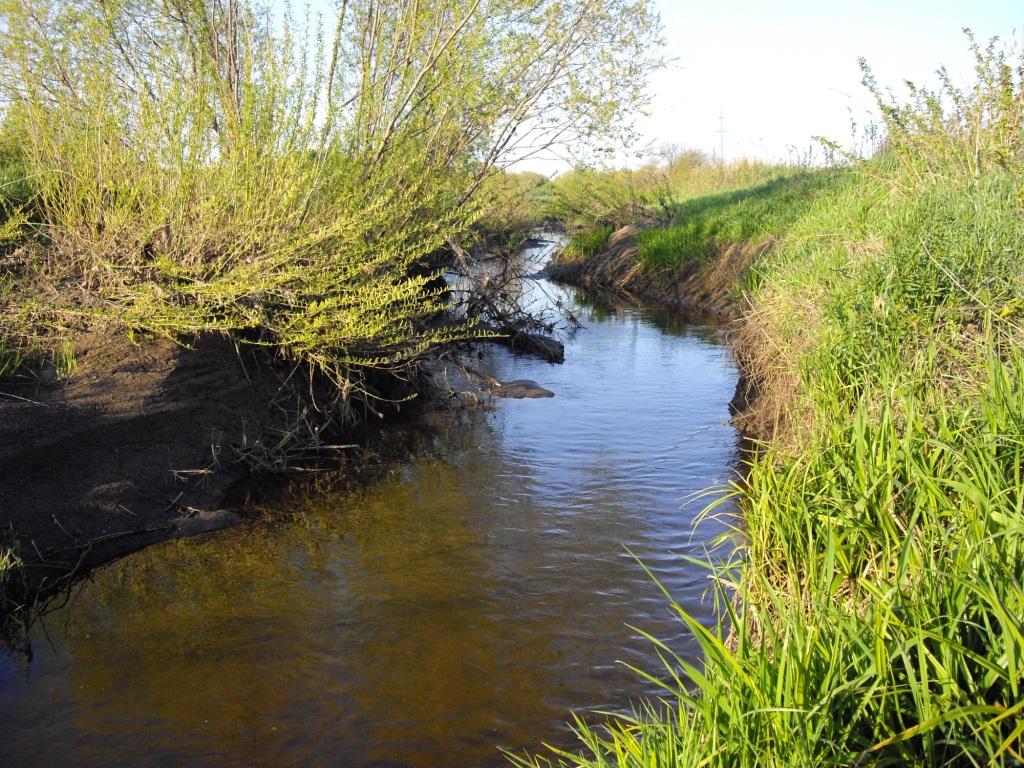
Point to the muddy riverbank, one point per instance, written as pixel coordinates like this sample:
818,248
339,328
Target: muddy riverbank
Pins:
138,444
153,441
147,442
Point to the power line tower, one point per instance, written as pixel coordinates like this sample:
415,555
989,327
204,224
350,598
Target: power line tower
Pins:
721,137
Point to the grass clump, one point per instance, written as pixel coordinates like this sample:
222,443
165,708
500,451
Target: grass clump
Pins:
15,203
11,355
589,243
13,633
877,605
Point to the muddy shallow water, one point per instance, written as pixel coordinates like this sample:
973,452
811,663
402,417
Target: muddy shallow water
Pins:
470,600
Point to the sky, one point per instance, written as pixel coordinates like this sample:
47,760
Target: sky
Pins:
783,71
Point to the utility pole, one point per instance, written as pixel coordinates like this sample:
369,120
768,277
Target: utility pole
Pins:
721,137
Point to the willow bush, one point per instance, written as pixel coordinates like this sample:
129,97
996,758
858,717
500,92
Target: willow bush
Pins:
511,207
587,198
222,167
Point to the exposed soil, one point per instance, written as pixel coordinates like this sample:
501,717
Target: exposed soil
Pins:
136,446
143,443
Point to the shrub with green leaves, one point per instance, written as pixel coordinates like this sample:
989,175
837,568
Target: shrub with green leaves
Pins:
586,198
211,167
511,206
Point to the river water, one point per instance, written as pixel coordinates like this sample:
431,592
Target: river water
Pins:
470,600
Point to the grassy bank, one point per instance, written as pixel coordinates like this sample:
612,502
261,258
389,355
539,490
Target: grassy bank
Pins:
586,200
879,612
705,224
673,243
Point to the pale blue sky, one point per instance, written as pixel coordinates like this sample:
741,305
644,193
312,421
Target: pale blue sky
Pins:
782,72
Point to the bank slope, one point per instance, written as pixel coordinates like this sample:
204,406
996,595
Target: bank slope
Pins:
880,614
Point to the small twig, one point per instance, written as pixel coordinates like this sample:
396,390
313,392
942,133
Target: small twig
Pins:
120,534
184,472
61,526
176,498
38,553
22,399
238,353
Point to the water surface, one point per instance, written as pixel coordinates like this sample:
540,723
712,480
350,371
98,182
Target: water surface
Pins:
471,599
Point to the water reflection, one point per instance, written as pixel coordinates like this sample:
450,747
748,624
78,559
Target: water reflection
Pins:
471,598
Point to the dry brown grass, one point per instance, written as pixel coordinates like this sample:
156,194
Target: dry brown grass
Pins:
774,410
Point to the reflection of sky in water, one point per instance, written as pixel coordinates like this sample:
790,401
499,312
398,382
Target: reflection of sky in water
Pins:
470,599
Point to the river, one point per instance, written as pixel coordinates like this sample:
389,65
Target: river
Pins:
470,599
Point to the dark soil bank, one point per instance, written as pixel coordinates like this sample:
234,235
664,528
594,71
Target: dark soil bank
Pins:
137,445
145,443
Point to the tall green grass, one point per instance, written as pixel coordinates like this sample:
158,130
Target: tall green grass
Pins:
703,224
589,243
876,608
10,355
654,194
882,619
15,202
